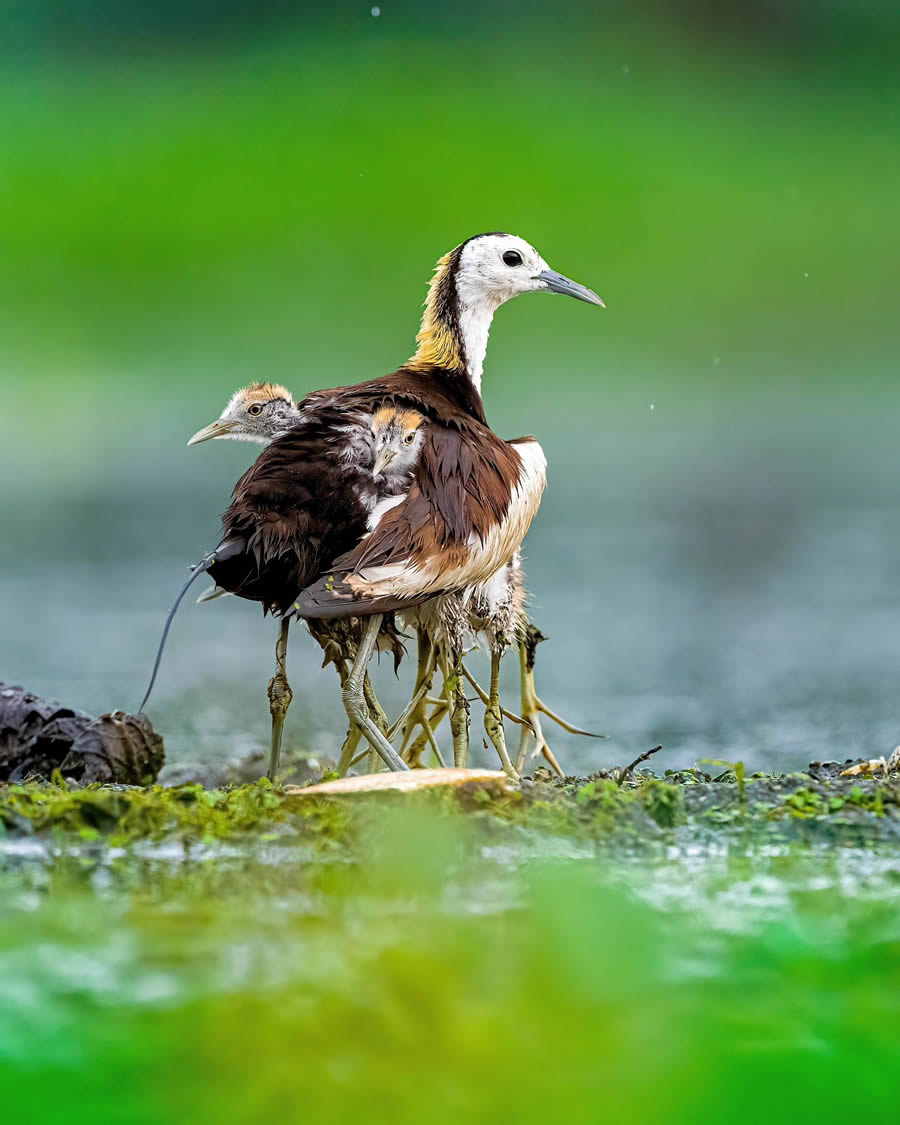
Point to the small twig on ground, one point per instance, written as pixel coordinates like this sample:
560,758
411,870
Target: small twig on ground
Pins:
647,754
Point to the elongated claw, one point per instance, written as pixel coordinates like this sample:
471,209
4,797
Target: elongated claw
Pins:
561,722
483,696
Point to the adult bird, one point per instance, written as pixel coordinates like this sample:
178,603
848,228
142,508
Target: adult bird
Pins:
495,611
473,496
305,501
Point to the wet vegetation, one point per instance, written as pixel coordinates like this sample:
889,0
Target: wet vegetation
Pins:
638,810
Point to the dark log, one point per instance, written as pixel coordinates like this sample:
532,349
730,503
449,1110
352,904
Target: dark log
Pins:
38,737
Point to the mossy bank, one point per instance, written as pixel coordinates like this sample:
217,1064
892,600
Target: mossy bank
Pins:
644,811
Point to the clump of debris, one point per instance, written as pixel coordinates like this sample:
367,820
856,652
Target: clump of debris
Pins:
40,739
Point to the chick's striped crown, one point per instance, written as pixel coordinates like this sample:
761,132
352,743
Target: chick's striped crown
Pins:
260,393
401,419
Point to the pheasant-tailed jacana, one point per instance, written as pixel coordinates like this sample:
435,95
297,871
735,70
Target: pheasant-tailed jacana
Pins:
473,496
303,503
495,610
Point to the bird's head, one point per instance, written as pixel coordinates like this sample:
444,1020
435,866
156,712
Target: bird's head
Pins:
469,285
493,268
397,434
258,413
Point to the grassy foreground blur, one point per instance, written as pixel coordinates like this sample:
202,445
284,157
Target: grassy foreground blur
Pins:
444,968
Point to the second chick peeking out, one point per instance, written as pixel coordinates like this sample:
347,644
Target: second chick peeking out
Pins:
397,434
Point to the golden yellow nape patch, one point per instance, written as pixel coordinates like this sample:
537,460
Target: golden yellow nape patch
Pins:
437,344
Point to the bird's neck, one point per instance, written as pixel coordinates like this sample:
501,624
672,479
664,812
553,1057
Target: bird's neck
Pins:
454,332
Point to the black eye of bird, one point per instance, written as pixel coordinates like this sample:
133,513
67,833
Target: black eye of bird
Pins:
256,408
512,257
409,439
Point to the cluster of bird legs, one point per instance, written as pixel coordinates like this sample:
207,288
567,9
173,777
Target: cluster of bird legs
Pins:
390,507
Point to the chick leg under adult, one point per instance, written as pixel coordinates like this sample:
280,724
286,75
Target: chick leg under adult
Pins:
378,717
493,716
280,696
416,712
533,706
355,700
458,704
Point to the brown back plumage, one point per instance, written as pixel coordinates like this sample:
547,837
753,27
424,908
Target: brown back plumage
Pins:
300,508
300,504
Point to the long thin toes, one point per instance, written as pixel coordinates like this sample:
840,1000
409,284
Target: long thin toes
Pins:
561,722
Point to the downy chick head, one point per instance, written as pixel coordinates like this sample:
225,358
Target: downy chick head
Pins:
397,434
257,413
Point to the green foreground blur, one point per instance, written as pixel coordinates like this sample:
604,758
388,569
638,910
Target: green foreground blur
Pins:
412,963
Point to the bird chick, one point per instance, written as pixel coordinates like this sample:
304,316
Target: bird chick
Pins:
397,434
257,413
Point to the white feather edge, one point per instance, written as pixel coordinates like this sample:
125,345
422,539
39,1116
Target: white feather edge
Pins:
484,558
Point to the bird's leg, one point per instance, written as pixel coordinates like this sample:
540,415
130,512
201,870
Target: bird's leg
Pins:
426,737
348,750
354,695
378,717
485,699
354,734
493,716
416,713
280,696
533,706
531,709
458,705
424,674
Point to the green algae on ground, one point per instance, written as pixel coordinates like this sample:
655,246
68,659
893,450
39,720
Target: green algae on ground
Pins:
126,815
637,811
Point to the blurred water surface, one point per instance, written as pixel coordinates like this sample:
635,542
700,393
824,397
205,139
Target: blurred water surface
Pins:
717,578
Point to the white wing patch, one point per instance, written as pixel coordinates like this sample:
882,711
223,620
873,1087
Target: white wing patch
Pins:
382,508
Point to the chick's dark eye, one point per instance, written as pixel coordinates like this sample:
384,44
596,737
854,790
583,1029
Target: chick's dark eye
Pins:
256,408
512,257
409,439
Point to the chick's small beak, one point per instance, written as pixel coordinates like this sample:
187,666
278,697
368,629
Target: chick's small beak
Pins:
383,458
559,283
216,429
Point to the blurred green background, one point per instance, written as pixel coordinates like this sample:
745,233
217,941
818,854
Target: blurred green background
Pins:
194,195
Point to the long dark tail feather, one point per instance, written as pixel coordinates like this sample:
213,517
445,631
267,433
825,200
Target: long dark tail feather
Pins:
225,550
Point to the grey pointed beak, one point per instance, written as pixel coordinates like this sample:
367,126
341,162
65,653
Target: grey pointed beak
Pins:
382,459
559,283
215,429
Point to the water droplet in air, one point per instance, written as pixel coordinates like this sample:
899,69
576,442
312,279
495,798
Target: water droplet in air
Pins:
652,405
376,12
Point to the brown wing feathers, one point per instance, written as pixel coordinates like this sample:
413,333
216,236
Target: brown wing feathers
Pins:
462,487
296,508
299,509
